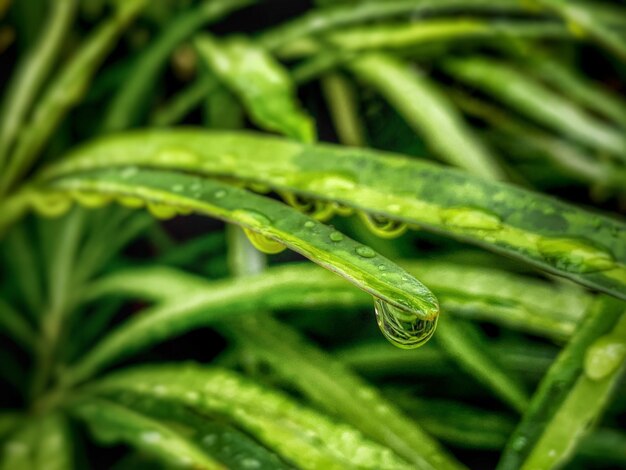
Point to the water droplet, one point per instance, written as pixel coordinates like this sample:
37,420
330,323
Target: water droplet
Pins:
263,243
604,356
91,199
128,172
131,201
250,463
383,226
365,252
177,188
50,204
319,210
151,437
382,267
309,224
575,255
161,211
402,328
336,236
219,194
209,440
470,218
519,443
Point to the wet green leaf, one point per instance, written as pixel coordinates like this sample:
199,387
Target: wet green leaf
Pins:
575,243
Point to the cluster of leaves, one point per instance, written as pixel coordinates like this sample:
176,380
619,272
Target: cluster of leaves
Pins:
531,342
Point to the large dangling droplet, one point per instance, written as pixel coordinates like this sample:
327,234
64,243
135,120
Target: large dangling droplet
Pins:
383,226
263,243
403,328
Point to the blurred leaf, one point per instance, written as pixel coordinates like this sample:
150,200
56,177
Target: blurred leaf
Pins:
40,443
538,102
302,436
261,83
111,423
429,112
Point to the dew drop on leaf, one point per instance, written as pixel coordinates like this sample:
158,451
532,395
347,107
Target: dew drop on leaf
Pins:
365,252
263,243
161,211
336,236
402,328
604,356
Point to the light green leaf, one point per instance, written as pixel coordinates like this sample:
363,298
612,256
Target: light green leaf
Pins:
572,393
521,224
263,85
429,112
189,302
111,423
538,102
301,436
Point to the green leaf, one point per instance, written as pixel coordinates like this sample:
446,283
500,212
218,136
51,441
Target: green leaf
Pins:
42,443
538,102
306,438
189,302
581,408
260,82
111,423
168,193
572,393
575,243
428,111
334,387
211,433
321,20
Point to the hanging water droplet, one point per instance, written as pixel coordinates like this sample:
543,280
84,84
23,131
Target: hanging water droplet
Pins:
263,243
365,252
383,226
604,356
130,201
161,211
336,236
50,204
402,328
91,199
470,218
575,255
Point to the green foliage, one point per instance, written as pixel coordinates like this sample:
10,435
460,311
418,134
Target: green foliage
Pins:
314,133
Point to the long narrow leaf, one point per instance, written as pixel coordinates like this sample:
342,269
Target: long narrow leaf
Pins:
429,112
496,216
302,436
260,82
